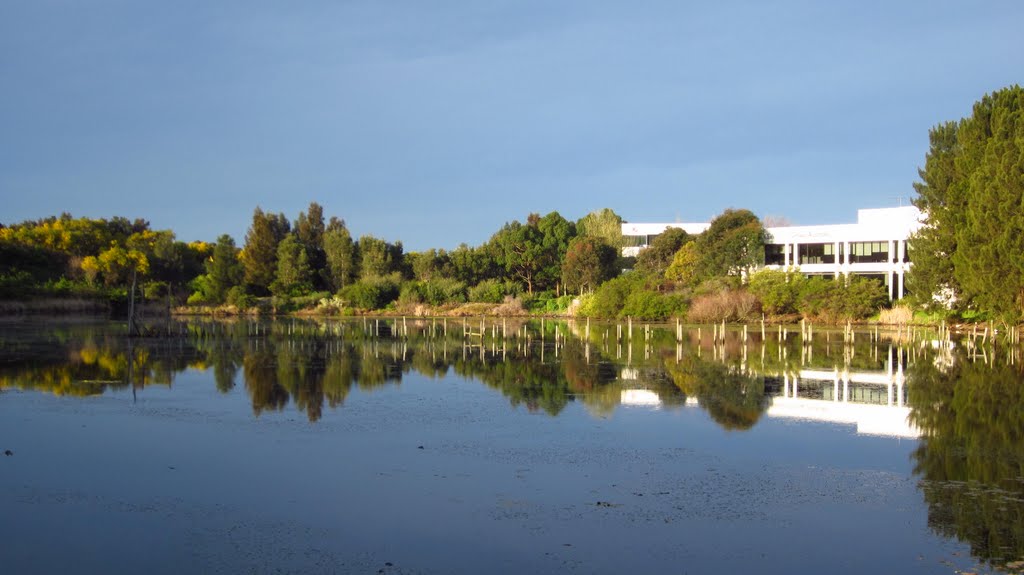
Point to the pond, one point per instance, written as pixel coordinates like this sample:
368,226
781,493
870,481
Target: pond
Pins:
465,446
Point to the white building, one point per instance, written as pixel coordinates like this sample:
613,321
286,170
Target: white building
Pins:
875,246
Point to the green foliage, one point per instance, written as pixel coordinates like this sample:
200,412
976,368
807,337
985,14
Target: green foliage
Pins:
684,268
972,192
435,292
533,253
378,257
588,262
474,265
430,264
294,276
777,290
340,255
732,245
652,305
971,455
373,293
849,298
309,230
259,256
223,272
492,291
547,303
609,299
658,256
238,297
604,225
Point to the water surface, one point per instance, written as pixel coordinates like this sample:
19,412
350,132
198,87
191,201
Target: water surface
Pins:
442,447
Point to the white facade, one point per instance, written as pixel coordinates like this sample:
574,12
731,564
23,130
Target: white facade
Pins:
874,246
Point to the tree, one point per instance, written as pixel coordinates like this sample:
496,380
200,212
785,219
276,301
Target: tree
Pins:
685,266
378,257
340,254
428,265
588,262
733,244
309,229
604,224
520,252
223,270
294,276
942,199
556,233
117,265
474,265
972,193
657,257
259,257
532,253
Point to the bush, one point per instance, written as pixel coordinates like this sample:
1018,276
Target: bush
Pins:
843,299
492,291
546,303
608,300
441,291
372,293
238,297
435,292
730,306
777,290
647,304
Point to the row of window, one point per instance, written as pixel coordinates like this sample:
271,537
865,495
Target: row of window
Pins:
860,252
775,254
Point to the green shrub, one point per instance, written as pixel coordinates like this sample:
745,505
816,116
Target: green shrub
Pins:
492,291
608,300
777,290
842,299
372,293
238,297
647,304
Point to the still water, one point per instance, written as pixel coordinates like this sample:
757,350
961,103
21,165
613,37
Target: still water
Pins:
451,446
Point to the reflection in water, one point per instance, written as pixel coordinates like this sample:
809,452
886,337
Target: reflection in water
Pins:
969,414
971,457
540,365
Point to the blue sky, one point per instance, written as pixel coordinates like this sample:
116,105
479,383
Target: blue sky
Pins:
434,123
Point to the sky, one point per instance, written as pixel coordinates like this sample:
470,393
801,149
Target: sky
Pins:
434,123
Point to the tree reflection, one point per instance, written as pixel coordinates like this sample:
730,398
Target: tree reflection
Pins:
971,457
734,399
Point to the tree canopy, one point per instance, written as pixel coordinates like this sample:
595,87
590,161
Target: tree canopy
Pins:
972,194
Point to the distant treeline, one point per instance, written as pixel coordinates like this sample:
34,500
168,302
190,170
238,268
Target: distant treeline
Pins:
968,259
543,265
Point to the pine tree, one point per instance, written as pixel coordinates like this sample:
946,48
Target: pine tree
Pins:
259,257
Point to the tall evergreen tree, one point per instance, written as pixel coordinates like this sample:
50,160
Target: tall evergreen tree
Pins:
309,229
223,270
259,257
972,194
294,277
340,253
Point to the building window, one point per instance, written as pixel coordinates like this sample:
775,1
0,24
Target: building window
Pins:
817,254
634,241
869,252
774,255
